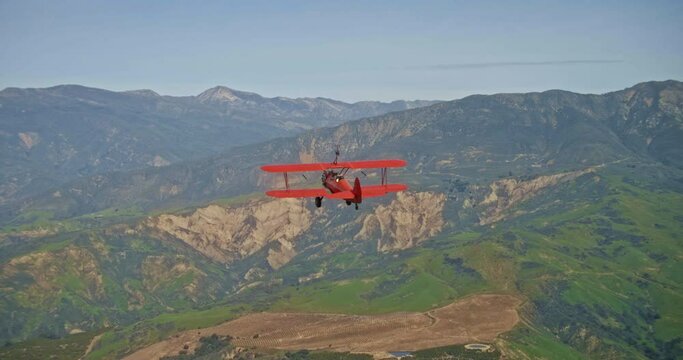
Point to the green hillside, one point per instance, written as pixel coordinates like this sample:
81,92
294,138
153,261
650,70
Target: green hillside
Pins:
598,271
573,203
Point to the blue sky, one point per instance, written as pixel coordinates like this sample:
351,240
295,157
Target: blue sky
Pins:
348,50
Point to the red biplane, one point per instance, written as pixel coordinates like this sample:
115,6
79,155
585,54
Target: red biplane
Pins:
334,184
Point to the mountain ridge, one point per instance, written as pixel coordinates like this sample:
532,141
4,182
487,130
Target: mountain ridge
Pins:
552,129
61,133
205,94
557,198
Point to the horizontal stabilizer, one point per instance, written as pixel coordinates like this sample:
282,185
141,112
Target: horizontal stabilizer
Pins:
381,190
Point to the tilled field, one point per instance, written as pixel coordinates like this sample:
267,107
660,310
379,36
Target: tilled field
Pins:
477,318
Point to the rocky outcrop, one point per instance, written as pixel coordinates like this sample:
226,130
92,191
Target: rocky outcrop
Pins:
159,161
230,234
506,193
407,221
28,139
281,253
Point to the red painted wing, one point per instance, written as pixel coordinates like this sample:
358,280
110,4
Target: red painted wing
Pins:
295,167
366,164
304,193
369,164
381,190
297,193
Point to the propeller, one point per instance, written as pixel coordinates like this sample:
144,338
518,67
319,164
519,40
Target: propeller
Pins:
336,154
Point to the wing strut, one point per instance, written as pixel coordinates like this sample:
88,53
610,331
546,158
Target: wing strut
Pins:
384,176
286,181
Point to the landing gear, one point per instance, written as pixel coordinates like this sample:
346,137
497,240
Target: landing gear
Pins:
348,202
318,201
356,206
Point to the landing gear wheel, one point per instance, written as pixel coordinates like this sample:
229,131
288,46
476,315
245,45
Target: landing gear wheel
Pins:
348,202
318,201
356,206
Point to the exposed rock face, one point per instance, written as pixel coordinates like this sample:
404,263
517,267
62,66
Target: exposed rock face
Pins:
159,161
28,140
254,273
281,254
407,221
219,94
509,192
229,234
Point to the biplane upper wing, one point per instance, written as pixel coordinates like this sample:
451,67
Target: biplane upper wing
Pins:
279,168
381,190
368,164
365,164
303,193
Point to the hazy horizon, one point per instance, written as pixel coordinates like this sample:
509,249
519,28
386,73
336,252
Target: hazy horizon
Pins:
347,51
351,101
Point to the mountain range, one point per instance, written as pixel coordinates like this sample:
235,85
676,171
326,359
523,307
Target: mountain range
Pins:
53,135
570,203
524,134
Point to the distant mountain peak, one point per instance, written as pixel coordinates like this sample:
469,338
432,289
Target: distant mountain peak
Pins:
143,92
223,94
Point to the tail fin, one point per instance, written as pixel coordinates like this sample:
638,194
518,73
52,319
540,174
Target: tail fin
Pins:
357,192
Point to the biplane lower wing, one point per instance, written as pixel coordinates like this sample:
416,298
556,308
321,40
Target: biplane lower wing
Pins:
304,193
367,191
367,164
297,193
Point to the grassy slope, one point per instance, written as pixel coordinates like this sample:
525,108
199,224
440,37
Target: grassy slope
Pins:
118,342
603,277
600,271
88,282
69,348
423,281
65,297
